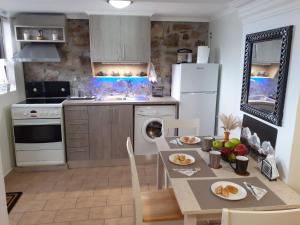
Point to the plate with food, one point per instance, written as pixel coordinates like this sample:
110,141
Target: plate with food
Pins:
181,159
229,190
190,140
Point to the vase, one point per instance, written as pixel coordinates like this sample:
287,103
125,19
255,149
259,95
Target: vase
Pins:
226,136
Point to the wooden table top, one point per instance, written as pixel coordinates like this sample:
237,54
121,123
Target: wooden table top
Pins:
189,204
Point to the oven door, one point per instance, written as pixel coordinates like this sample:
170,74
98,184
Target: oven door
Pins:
38,134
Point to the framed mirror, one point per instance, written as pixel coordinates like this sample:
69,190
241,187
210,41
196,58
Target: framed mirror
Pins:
266,66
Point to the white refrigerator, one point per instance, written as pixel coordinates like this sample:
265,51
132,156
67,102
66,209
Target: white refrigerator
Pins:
195,86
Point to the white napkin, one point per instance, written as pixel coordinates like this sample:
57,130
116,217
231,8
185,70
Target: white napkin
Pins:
187,172
174,142
257,192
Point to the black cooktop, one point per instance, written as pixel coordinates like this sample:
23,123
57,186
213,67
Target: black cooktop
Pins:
42,101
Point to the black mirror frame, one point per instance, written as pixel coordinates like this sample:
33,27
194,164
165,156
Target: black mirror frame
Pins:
285,34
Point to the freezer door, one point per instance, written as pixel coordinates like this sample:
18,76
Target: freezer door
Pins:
202,106
199,77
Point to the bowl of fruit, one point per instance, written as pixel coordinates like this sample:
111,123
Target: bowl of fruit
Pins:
230,149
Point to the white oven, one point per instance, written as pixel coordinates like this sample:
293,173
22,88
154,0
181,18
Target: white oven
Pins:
38,135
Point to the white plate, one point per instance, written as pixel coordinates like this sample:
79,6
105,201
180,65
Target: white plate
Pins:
197,140
242,193
172,159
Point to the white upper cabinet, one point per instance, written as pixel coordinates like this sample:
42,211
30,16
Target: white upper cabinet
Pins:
120,39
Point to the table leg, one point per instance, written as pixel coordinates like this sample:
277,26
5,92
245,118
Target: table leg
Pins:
160,172
190,220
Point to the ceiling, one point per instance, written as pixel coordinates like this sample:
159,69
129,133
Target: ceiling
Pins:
199,10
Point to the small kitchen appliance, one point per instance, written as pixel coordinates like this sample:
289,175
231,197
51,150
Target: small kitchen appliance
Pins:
184,55
38,124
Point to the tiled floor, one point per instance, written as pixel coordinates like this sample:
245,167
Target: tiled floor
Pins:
88,196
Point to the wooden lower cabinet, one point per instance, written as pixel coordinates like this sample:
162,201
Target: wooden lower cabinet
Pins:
109,127
98,133
122,127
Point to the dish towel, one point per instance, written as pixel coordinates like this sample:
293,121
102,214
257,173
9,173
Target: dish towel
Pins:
187,172
257,192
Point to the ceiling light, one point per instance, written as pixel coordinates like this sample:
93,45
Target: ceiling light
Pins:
120,4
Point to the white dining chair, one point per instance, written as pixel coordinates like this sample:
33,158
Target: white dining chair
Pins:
155,207
278,217
169,125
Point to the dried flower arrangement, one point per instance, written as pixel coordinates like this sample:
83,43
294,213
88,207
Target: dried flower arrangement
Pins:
230,122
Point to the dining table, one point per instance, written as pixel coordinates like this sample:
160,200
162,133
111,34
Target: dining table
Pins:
193,193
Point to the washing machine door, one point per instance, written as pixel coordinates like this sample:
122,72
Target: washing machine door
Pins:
152,129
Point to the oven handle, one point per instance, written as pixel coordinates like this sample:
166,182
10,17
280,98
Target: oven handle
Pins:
33,123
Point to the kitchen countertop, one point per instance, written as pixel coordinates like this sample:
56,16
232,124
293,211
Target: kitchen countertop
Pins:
151,101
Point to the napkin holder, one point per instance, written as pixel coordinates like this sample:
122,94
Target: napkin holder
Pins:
266,170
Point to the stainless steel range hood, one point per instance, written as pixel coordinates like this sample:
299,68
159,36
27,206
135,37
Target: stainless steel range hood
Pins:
38,52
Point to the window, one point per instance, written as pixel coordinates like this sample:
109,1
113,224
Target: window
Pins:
1,40
7,65
3,77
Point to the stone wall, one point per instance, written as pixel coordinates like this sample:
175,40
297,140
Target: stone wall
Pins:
167,38
75,55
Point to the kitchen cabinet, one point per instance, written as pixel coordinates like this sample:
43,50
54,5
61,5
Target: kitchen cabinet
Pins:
100,120
122,127
98,132
105,38
120,39
109,127
77,132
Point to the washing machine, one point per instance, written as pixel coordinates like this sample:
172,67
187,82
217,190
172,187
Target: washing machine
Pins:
148,126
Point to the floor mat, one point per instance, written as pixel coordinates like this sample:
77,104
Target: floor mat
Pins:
11,199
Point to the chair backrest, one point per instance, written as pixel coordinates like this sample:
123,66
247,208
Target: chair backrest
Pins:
136,190
170,124
278,217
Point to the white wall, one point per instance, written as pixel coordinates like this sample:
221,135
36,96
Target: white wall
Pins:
230,37
3,208
226,46
16,69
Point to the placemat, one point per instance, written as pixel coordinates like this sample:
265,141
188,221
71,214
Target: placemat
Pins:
205,170
207,200
173,146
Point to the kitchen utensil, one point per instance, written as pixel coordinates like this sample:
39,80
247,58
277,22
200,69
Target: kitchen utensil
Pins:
184,55
241,194
178,141
54,36
241,165
157,90
257,192
40,35
207,143
214,159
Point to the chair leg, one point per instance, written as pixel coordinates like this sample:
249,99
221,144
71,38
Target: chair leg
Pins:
166,180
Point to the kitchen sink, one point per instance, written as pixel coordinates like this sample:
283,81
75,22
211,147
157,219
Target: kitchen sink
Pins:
122,98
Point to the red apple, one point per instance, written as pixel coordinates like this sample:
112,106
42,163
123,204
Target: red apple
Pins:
225,152
240,149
